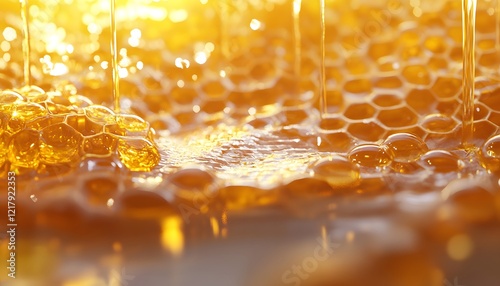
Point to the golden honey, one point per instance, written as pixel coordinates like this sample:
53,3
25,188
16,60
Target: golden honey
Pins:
337,172
310,113
378,92
39,130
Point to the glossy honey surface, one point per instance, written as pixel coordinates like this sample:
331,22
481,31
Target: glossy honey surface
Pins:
222,144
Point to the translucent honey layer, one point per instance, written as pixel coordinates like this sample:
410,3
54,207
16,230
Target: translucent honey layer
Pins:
233,103
41,129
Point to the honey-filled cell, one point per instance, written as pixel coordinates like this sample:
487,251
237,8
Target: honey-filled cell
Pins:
24,149
60,143
138,154
99,145
84,125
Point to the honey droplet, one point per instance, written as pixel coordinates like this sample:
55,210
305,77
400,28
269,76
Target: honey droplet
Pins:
370,155
337,172
489,154
405,147
441,161
33,93
438,123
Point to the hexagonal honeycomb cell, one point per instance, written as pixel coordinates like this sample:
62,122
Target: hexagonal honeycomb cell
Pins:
421,100
446,87
358,86
367,131
417,74
386,100
436,44
37,135
399,117
359,111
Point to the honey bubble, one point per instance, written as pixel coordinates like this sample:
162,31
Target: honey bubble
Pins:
441,161
405,147
370,155
338,172
489,154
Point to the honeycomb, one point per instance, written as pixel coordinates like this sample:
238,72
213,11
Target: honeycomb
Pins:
40,130
213,122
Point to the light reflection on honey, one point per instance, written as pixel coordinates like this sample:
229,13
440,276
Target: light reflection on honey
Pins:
223,114
172,237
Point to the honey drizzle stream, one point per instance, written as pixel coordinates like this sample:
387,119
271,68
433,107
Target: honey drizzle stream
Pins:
114,57
322,89
26,42
297,42
468,38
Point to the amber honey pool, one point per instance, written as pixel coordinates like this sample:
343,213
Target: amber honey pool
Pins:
250,142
